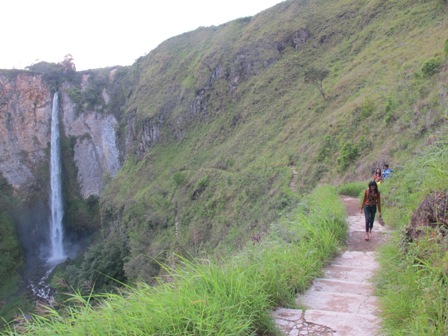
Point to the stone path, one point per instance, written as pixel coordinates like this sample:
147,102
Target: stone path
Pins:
341,303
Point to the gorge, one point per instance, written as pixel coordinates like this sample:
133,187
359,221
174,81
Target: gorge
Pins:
188,151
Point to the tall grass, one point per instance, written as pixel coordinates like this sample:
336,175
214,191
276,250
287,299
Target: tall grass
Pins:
412,283
202,297
353,189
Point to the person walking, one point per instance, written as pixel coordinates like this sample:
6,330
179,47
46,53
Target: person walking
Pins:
371,201
378,176
386,171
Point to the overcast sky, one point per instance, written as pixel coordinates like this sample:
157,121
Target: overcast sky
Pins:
99,33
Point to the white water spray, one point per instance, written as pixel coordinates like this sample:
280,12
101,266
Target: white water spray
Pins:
57,253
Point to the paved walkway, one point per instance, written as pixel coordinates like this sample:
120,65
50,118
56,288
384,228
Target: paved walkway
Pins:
341,303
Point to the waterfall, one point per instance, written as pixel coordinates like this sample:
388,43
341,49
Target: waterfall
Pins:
57,253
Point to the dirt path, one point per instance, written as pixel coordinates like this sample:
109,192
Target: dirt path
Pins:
342,302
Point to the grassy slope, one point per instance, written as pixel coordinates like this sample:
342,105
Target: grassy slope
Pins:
412,283
225,177
204,297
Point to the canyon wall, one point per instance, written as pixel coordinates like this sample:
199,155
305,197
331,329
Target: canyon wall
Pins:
25,117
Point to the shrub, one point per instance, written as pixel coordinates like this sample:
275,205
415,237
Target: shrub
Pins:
431,66
348,153
326,149
179,179
367,108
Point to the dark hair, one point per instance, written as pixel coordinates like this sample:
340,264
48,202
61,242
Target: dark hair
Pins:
386,165
373,183
376,171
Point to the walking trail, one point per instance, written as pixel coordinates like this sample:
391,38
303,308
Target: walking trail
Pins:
342,303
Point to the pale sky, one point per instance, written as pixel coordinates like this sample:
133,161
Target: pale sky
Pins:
99,33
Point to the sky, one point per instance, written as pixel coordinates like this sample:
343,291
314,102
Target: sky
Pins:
99,33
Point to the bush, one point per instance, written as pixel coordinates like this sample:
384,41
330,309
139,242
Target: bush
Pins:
431,66
179,179
348,153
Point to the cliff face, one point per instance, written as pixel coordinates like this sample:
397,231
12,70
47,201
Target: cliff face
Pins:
25,118
25,112
96,154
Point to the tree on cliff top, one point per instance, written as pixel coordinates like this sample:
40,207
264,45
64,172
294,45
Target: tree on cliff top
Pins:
68,65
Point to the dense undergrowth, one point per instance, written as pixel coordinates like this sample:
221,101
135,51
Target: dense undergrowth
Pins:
11,256
414,274
207,297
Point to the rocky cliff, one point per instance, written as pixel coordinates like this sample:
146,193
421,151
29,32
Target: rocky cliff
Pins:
25,113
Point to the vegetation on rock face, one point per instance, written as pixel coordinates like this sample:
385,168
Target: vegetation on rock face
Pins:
11,255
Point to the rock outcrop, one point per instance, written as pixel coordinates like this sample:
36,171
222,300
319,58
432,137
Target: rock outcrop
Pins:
25,117
431,217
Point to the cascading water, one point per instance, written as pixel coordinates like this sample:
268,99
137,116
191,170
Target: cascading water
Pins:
54,254
57,253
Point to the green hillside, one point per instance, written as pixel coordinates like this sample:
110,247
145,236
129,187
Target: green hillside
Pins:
213,122
219,114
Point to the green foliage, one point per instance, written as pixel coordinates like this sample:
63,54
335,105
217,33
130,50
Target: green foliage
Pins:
412,283
233,109
348,153
327,147
316,77
431,66
203,297
446,48
11,256
391,105
10,249
354,189
179,179
54,74
367,108
81,216
101,267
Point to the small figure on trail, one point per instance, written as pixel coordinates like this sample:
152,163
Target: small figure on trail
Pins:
370,202
386,171
378,176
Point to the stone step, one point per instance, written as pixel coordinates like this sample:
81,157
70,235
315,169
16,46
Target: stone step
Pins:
344,324
346,273
339,302
341,286
296,322
356,259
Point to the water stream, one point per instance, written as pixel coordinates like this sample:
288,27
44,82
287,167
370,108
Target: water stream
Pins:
57,254
54,252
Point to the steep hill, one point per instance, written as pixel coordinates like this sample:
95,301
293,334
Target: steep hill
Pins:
218,115
195,142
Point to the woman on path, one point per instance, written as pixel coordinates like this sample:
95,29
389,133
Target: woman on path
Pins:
378,176
371,200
